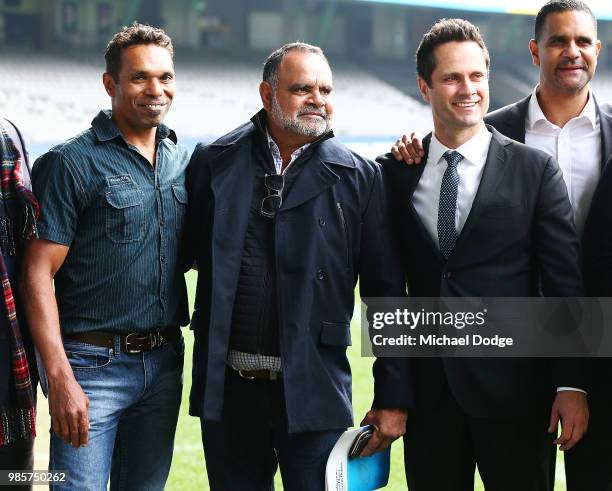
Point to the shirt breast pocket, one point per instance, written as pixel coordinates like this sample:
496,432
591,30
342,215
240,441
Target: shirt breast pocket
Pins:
180,203
124,214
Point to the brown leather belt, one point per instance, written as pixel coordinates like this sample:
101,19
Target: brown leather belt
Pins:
132,343
269,375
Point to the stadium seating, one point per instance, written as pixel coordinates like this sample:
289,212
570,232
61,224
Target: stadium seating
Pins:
53,97
602,87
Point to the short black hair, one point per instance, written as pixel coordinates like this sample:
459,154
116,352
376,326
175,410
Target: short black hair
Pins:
554,6
136,34
442,32
270,69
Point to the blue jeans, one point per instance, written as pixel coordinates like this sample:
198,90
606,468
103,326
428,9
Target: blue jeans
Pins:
134,402
243,450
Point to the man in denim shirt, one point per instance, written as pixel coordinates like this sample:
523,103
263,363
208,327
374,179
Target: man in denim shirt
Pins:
113,201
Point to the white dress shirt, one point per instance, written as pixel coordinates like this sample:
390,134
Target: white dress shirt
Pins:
577,149
426,197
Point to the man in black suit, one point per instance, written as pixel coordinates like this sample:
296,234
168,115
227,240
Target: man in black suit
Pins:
563,118
460,220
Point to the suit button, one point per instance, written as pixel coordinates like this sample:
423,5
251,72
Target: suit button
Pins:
320,275
322,221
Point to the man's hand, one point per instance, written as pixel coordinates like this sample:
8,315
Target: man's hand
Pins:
409,149
570,406
69,410
389,425
68,404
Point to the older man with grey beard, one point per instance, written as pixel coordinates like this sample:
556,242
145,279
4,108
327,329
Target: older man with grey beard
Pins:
279,221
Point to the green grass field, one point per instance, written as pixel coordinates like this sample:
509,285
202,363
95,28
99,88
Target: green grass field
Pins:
188,470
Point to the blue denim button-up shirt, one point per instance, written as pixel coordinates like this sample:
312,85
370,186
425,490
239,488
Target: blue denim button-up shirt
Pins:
122,220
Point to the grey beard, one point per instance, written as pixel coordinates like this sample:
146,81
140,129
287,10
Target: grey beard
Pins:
295,125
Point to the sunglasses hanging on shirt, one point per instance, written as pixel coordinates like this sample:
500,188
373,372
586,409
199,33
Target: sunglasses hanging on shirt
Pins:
273,201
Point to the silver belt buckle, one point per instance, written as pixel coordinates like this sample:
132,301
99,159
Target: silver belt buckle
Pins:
127,345
155,338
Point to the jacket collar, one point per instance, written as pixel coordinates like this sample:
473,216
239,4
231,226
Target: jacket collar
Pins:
229,165
513,122
260,122
327,148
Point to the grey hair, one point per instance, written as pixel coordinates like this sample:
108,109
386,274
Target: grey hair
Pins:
270,69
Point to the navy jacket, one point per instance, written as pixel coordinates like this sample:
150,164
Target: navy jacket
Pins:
320,254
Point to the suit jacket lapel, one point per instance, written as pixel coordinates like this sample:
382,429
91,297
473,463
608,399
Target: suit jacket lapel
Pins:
418,173
514,122
493,173
410,175
605,126
413,176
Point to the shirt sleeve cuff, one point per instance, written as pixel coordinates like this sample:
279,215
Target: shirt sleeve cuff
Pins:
56,236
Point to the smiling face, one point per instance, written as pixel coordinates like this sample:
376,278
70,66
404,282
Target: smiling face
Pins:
300,103
144,89
566,51
458,92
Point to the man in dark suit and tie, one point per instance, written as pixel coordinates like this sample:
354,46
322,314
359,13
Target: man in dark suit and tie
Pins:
461,223
562,117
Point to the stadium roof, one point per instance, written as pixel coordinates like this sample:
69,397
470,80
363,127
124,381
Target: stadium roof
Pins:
601,8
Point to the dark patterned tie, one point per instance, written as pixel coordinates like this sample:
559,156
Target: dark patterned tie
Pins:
447,233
